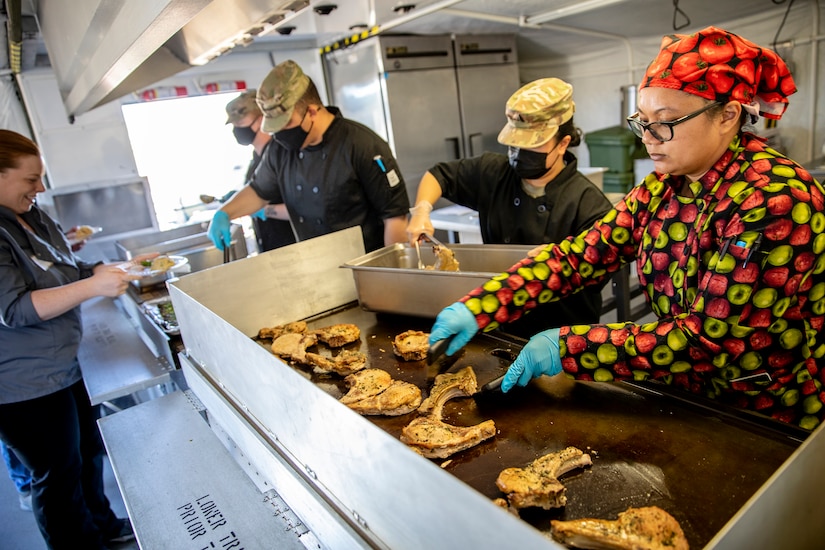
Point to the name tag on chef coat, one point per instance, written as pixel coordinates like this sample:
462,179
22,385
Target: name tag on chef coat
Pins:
42,264
393,178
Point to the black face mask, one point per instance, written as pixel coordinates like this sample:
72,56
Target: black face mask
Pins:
293,138
529,165
244,135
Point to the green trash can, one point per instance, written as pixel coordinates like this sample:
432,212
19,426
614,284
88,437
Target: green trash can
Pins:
614,148
617,182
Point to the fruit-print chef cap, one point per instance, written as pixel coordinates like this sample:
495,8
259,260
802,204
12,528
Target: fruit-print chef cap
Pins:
721,66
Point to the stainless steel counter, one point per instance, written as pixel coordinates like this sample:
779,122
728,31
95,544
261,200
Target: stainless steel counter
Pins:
114,360
185,491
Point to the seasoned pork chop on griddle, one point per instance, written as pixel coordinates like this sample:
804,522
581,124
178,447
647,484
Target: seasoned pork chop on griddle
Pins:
448,386
338,335
345,363
293,346
411,345
648,528
299,327
434,438
431,437
399,398
537,484
366,383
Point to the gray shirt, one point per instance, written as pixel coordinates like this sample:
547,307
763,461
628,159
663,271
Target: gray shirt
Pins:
38,357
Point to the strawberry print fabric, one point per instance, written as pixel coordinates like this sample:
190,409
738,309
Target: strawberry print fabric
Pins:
735,275
720,66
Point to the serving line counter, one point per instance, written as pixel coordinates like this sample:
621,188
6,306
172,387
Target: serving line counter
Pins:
732,480
115,361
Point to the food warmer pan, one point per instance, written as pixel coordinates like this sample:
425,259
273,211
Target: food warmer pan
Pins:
388,279
717,471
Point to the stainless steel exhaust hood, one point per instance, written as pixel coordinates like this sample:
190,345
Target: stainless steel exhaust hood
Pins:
104,49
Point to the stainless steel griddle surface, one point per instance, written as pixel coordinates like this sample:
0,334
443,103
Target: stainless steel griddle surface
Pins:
700,464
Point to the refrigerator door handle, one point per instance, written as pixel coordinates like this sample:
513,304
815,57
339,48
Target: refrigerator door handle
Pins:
453,147
476,139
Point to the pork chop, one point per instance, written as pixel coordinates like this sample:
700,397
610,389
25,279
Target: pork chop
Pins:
411,345
537,484
429,436
448,386
444,259
293,346
648,528
366,383
432,438
338,335
399,398
298,327
345,363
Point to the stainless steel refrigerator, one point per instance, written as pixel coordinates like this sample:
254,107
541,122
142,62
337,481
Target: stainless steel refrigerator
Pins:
433,98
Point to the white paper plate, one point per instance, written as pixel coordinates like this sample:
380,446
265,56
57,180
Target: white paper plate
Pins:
94,231
145,271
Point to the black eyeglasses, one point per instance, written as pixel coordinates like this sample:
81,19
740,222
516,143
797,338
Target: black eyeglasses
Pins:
663,131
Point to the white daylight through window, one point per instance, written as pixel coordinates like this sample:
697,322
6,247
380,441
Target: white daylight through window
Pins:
185,149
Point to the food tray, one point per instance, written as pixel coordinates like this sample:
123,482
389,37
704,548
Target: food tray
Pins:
388,280
161,312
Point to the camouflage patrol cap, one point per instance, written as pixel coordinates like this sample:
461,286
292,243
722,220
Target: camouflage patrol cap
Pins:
241,106
535,112
282,88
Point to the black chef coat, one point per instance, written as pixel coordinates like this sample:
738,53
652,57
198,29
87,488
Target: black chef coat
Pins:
351,178
508,215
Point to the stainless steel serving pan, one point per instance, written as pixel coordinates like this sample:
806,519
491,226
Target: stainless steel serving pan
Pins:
388,279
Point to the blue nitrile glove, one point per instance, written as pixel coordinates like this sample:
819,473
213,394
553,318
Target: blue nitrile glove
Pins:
454,320
220,231
260,214
539,356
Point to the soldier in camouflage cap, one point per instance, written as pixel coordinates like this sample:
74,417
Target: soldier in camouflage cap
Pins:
535,112
247,121
322,171
238,108
533,194
278,94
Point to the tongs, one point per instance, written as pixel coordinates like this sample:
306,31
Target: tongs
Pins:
418,253
432,240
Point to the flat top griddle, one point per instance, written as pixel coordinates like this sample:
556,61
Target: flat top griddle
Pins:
649,446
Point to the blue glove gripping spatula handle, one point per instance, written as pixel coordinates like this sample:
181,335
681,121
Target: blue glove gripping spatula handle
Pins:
438,349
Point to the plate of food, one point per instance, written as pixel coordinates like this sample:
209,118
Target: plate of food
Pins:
155,266
81,233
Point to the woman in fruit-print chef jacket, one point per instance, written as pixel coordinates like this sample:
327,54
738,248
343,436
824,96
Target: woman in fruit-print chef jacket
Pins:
728,237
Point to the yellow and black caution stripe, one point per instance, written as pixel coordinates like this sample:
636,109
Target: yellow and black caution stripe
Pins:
15,53
349,40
